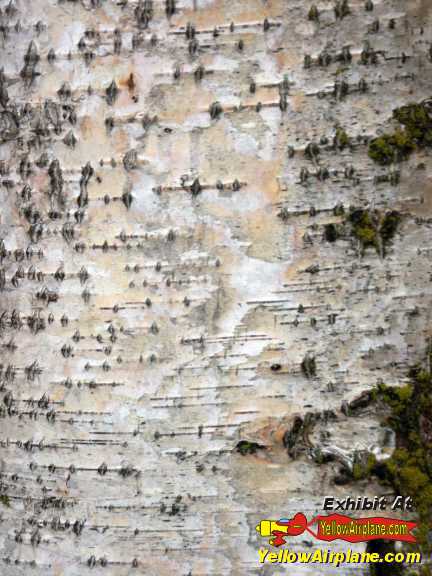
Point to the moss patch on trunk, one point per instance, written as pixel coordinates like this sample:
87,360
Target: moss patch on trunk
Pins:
371,228
409,470
416,133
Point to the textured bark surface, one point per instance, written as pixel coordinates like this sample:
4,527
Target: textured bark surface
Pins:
167,290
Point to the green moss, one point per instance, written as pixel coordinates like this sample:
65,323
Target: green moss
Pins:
417,132
313,13
364,228
371,229
5,500
403,142
244,447
366,235
357,472
395,397
409,470
362,470
422,376
390,148
341,70
341,139
417,122
414,478
381,151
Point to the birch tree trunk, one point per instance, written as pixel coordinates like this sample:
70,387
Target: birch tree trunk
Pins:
187,309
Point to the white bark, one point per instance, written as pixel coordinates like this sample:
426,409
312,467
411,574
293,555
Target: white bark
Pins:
145,365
